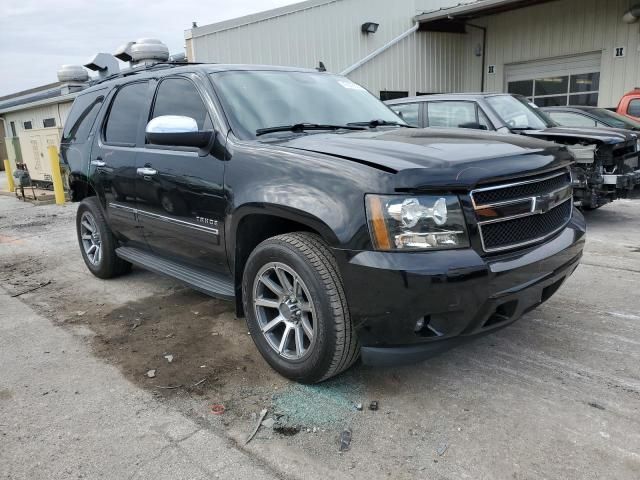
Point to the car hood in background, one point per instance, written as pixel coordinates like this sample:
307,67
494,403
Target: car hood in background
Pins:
436,158
601,135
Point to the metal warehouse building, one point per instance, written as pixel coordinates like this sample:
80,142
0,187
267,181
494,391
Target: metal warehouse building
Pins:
582,52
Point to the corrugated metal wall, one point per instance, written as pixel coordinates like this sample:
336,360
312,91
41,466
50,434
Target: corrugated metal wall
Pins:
568,27
423,62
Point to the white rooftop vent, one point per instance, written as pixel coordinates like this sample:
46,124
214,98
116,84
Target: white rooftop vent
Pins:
103,63
72,73
149,49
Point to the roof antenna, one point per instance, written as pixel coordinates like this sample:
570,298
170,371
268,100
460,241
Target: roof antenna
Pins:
321,67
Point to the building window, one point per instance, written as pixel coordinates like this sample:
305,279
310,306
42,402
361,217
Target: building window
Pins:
27,125
13,129
49,122
580,89
392,95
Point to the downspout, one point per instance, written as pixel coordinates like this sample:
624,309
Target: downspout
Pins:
484,52
377,52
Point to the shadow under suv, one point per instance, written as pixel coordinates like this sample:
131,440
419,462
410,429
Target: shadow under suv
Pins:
338,231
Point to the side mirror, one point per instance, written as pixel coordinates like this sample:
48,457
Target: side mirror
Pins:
177,131
473,125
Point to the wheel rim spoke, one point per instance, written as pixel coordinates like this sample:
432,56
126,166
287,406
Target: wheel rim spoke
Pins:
267,303
307,328
86,224
271,285
285,338
272,324
299,341
284,281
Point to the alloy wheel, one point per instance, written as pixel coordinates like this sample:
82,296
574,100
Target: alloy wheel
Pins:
90,236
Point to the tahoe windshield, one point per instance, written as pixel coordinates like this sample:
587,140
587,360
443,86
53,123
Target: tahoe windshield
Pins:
519,114
257,102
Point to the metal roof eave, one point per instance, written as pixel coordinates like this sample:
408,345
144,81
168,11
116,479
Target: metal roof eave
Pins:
468,11
47,101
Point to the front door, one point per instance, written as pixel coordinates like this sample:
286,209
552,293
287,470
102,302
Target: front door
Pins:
114,157
181,202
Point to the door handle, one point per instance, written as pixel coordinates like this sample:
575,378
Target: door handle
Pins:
146,171
98,162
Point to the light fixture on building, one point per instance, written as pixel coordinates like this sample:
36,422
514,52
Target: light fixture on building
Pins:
632,15
369,27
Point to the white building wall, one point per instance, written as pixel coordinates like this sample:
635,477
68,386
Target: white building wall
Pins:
330,32
564,28
36,115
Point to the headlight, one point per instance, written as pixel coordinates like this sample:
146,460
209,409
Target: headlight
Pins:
416,222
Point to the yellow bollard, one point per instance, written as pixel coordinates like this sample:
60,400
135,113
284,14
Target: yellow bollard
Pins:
58,188
7,168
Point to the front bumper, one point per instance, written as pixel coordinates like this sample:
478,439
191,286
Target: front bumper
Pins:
457,293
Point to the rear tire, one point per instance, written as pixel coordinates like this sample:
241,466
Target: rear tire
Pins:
97,243
291,284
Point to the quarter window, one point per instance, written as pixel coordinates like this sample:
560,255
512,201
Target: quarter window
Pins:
409,112
126,111
83,113
178,96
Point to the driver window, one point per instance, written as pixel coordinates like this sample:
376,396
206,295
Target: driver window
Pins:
451,114
178,96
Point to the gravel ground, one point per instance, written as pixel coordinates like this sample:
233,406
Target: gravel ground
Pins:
556,395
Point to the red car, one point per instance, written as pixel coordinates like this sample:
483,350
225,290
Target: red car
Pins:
629,105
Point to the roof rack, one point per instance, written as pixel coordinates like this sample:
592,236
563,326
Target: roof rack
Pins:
145,68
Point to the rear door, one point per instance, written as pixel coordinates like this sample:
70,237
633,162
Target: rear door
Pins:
181,203
114,157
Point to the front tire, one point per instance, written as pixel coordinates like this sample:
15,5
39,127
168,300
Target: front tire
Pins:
296,309
97,243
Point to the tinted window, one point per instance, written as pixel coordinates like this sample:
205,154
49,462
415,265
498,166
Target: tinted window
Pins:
521,87
178,96
568,119
410,113
634,108
552,86
614,119
49,122
27,125
451,114
83,113
126,110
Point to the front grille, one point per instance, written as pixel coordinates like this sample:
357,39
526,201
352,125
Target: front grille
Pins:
522,190
523,212
511,233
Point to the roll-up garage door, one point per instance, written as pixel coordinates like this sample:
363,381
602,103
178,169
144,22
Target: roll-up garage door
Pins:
557,81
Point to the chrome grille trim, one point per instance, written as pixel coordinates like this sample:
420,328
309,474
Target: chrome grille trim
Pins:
531,205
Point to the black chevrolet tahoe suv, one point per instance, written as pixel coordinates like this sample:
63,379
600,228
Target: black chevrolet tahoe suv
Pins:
338,231
606,166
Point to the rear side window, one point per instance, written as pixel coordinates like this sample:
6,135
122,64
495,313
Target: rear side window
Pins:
634,108
410,113
178,96
126,111
83,113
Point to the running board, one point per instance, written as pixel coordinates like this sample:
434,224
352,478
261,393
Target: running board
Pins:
206,282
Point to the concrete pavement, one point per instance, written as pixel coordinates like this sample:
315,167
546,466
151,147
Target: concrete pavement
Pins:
64,414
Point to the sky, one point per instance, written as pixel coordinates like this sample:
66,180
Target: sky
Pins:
37,36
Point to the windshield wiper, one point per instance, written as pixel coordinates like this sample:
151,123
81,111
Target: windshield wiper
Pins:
378,122
524,128
301,127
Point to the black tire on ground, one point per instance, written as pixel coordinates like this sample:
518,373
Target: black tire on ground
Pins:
335,347
109,264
